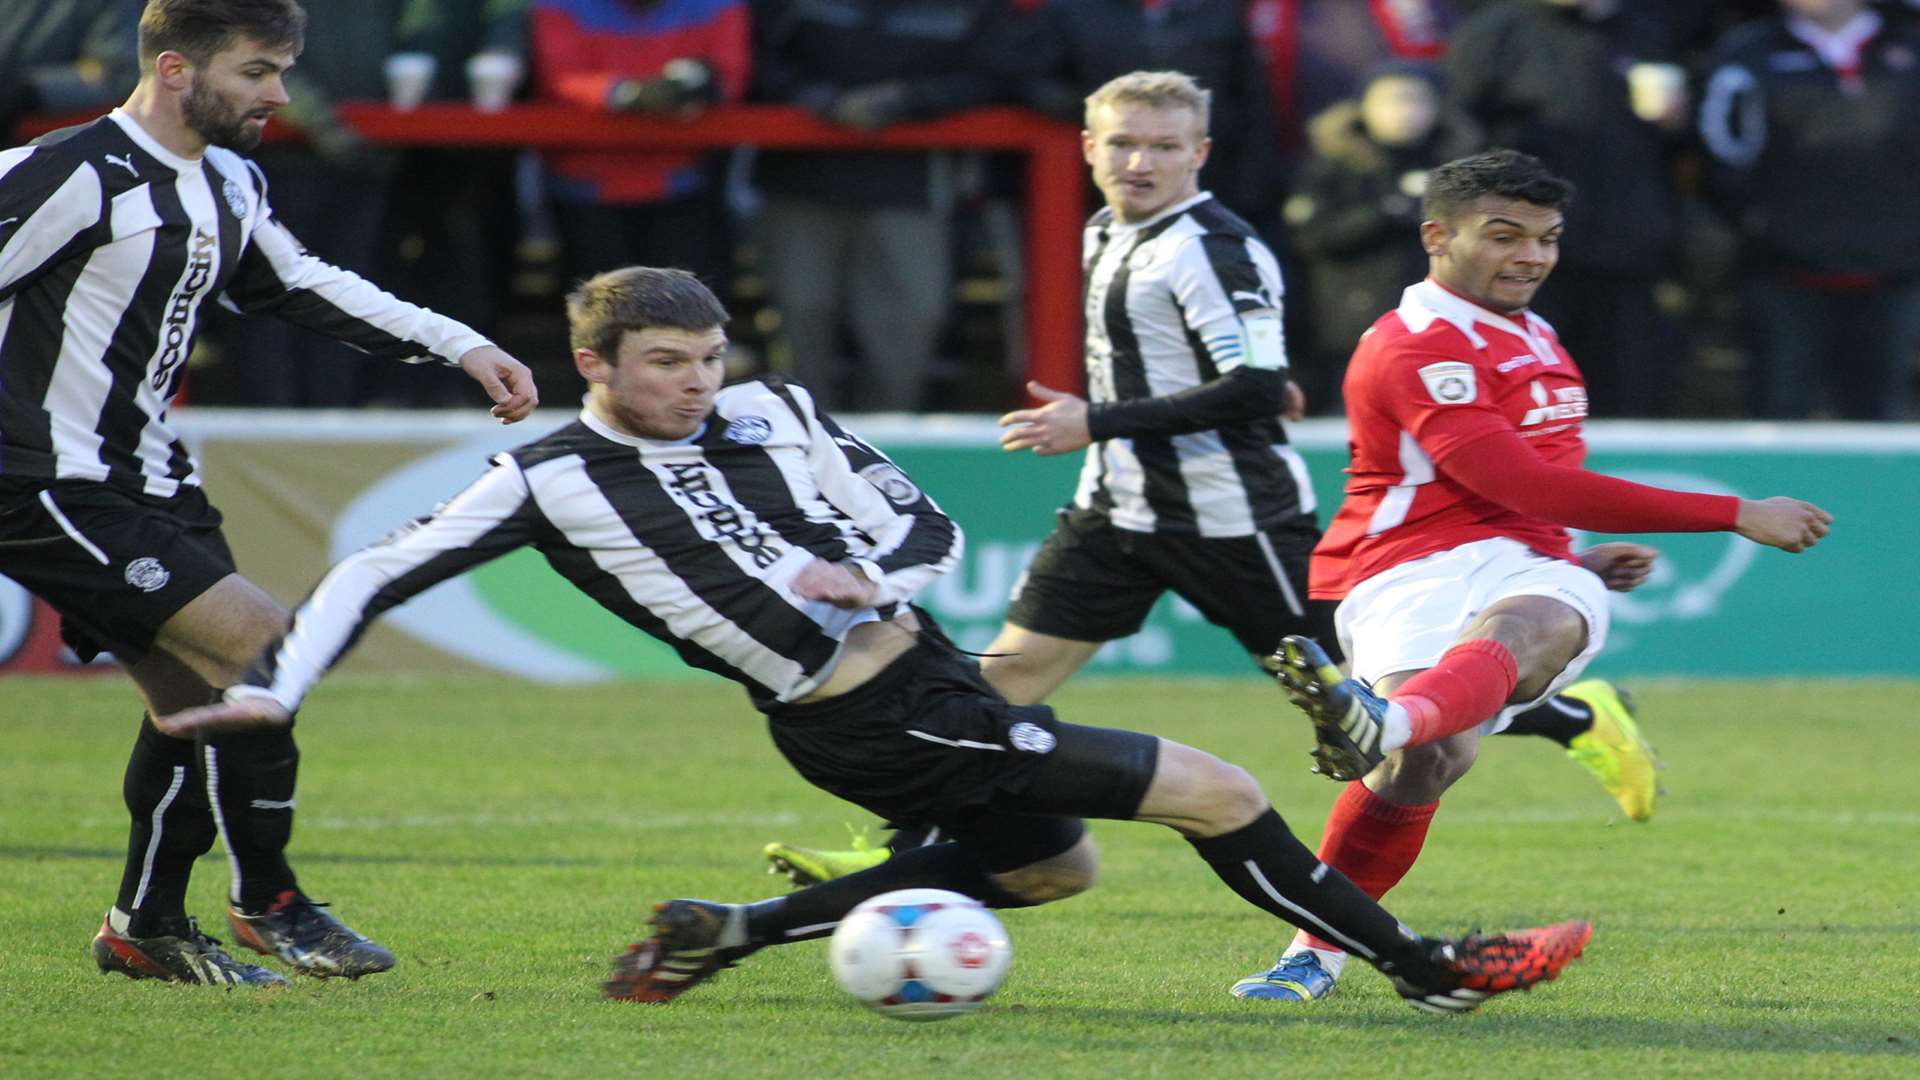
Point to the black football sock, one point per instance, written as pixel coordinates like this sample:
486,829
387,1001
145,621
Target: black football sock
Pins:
1559,718
815,910
1272,870
250,778
171,828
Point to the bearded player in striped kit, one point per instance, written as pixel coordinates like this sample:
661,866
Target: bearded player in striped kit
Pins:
113,236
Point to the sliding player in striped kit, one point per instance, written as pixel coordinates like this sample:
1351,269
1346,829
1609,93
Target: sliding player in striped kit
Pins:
764,542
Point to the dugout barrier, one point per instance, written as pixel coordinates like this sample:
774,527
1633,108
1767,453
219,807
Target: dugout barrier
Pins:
301,489
1054,208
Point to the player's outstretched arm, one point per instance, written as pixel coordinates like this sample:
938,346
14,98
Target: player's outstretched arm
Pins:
1786,523
506,380
220,718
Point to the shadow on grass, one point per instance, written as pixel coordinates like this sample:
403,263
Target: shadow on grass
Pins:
32,853
1765,1035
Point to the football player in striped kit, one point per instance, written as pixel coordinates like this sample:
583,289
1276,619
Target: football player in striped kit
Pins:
762,541
113,236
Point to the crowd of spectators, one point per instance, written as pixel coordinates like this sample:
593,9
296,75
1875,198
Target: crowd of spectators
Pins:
1745,241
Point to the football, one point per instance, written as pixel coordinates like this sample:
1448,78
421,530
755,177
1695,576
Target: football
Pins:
920,954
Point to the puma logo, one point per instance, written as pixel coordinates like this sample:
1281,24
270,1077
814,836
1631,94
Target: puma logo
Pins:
8,221
124,162
1261,297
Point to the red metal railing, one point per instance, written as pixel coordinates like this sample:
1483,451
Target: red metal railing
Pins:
1055,203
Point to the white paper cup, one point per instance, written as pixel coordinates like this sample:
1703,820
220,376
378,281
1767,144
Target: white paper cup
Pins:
409,76
492,78
1657,92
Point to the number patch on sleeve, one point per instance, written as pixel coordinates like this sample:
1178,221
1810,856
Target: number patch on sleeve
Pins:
1450,382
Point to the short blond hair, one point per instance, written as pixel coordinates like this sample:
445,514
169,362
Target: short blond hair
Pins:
1156,90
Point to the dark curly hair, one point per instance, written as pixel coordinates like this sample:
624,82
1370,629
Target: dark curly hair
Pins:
1453,188
197,29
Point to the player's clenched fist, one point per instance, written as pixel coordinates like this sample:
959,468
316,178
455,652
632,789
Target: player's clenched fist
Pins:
1786,523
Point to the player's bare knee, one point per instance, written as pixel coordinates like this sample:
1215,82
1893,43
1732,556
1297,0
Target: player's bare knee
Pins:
1233,796
1069,873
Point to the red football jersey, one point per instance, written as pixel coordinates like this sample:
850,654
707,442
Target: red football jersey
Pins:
1441,355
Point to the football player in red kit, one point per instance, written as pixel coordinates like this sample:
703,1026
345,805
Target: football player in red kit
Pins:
1461,599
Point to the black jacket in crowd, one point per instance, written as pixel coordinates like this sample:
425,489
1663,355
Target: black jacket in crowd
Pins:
1354,219
931,56
1818,175
1545,80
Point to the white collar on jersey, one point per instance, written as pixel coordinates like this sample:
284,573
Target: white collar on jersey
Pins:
1840,49
150,144
1116,225
604,430
1431,296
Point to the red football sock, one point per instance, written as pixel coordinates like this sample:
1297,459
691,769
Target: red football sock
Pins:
1373,842
1470,684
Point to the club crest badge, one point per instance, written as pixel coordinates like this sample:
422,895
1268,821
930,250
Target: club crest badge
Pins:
147,575
236,199
748,430
1031,738
891,482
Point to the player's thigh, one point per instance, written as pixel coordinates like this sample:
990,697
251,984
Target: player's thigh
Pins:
224,629
1199,794
1579,599
1027,666
1087,583
116,565
1255,587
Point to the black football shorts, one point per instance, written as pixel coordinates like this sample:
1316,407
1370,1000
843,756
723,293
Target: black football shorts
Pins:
1091,581
928,741
116,564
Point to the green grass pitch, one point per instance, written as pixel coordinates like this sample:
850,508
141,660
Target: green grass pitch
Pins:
505,840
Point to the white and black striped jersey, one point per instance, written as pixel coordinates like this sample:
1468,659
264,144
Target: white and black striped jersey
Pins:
109,246
695,542
1183,408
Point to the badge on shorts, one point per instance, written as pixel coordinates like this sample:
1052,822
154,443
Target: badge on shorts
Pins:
1031,738
147,575
1450,382
892,483
749,431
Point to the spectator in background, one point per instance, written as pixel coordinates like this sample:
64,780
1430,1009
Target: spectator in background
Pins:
1063,50
1550,78
864,236
1809,118
448,244
331,191
1318,52
64,56
658,57
1355,211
